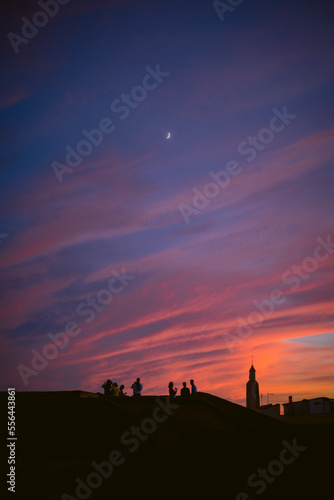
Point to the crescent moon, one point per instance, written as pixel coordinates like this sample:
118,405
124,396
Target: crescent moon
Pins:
168,135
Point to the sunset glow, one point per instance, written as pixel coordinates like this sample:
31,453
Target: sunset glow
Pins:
198,231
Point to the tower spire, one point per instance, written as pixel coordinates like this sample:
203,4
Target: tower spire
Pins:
252,390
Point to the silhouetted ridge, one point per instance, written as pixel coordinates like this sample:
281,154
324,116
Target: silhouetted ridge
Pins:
206,442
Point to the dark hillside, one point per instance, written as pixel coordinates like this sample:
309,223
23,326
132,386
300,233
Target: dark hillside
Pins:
196,447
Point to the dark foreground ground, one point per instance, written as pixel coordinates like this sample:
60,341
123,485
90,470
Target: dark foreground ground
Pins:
205,448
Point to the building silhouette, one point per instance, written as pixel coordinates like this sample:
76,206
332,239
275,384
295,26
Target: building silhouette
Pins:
271,410
252,391
315,406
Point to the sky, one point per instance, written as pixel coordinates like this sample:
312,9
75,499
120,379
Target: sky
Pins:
167,196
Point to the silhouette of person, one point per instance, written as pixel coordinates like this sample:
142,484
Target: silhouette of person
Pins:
193,388
172,390
185,390
137,387
115,390
107,387
121,390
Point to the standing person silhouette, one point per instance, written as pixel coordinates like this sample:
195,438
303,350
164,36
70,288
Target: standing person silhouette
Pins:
172,390
121,390
185,390
115,390
193,388
107,387
137,387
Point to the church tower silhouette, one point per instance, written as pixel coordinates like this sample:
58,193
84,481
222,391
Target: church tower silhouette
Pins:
252,391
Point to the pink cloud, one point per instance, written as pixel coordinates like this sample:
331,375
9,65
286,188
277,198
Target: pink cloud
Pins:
13,97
